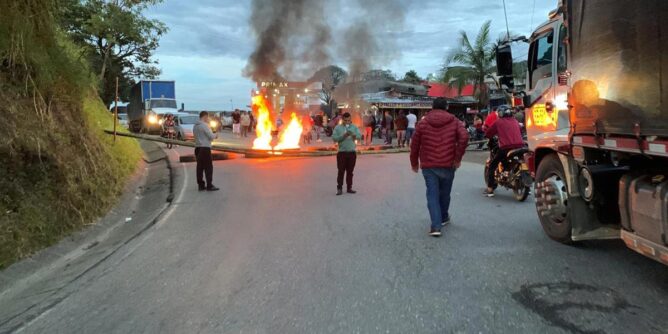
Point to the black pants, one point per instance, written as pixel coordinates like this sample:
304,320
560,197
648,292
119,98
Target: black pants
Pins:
499,157
345,162
204,166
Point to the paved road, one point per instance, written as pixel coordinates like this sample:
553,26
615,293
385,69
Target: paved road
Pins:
277,252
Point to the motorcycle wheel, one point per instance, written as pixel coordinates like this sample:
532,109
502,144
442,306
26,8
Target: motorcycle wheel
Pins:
521,193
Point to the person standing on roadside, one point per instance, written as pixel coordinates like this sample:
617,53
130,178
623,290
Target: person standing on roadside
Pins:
438,146
307,126
388,124
410,129
318,122
369,123
245,124
345,135
203,139
236,123
401,124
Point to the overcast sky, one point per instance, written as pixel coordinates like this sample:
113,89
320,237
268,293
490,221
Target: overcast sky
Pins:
209,41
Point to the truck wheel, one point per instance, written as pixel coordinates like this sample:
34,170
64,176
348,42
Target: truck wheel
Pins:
552,199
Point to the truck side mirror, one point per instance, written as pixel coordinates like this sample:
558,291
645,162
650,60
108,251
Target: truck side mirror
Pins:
504,60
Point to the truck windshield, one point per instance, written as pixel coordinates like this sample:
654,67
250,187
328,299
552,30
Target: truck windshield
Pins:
163,104
189,119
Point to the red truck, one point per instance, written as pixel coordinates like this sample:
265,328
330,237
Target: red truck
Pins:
597,122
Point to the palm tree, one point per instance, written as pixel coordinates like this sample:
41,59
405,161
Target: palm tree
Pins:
471,64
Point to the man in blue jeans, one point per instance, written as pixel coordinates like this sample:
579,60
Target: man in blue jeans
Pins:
438,146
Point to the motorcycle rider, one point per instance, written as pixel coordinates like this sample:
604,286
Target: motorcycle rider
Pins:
507,129
169,125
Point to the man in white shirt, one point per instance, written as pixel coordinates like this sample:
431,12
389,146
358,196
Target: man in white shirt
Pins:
410,130
203,139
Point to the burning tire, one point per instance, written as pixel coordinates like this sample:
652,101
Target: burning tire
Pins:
552,199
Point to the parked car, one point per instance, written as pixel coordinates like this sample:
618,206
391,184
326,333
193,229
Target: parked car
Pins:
184,126
226,119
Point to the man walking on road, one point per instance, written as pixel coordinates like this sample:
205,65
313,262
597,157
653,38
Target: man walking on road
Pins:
438,146
345,135
203,139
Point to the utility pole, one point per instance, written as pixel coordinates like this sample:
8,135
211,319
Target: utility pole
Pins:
116,109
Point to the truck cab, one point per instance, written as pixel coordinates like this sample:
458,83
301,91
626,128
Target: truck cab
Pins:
597,122
547,119
150,100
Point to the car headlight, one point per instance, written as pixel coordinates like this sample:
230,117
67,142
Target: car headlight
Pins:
213,124
161,121
152,119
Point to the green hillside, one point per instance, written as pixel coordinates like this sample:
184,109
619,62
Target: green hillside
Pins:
58,171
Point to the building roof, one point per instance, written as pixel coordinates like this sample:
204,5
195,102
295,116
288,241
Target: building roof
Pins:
443,90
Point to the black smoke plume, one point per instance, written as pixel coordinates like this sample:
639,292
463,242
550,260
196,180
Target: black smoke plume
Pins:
294,38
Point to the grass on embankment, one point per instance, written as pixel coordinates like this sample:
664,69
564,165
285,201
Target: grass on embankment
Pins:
58,171
64,182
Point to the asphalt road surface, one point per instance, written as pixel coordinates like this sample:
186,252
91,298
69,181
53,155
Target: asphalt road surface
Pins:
276,252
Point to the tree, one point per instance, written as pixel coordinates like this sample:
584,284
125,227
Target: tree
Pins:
476,63
117,38
520,71
412,77
331,77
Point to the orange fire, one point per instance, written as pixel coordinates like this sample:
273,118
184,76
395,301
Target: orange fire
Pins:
288,138
264,124
291,135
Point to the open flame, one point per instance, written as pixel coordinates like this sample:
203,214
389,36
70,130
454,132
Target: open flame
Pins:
264,124
289,137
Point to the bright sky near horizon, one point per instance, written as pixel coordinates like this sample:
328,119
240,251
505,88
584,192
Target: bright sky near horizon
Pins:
209,42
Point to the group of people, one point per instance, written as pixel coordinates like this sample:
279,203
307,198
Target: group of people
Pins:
437,146
404,125
313,127
242,123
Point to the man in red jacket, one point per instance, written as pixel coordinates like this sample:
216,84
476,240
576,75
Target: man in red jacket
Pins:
438,146
507,128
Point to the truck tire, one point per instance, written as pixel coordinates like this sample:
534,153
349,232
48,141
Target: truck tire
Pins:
552,199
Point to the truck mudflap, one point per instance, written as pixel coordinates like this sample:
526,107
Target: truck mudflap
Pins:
645,247
585,222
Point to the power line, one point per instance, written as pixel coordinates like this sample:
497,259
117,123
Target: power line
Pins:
506,14
533,12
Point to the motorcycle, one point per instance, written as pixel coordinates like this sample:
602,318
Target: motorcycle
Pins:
512,173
